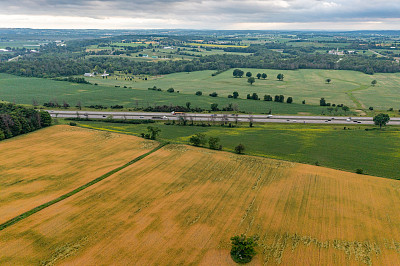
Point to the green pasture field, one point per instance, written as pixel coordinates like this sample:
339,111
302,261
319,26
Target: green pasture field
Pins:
374,151
23,90
214,52
160,53
348,87
97,47
318,44
131,44
166,52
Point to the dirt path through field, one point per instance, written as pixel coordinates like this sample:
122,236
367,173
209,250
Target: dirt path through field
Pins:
41,166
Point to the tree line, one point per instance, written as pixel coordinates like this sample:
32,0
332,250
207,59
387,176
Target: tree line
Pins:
16,120
45,65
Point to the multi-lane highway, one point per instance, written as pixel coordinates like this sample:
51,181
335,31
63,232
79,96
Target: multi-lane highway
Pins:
221,117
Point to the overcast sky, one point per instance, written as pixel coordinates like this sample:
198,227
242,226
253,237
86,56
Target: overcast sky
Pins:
206,14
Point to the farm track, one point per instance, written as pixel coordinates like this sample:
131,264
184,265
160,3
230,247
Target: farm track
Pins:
349,93
75,191
41,166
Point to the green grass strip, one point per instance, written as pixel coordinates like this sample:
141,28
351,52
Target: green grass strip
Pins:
73,192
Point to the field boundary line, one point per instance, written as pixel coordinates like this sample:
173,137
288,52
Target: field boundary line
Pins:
75,191
350,94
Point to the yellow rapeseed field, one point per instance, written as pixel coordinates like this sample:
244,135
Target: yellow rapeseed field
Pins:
180,206
40,166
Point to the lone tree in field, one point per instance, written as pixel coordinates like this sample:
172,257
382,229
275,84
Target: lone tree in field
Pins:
213,143
235,95
237,73
199,93
198,139
381,119
328,81
251,80
153,131
259,75
251,119
214,107
243,248
239,149
280,76
373,83
264,76
248,74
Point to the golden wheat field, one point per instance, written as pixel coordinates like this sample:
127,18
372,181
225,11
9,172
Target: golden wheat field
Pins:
181,204
43,165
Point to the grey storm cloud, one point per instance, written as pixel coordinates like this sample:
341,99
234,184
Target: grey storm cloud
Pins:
222,11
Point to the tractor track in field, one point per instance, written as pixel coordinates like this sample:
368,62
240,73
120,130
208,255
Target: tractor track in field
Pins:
75,191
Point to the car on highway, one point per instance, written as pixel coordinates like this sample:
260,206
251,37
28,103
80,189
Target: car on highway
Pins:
269,116
141,117
164,117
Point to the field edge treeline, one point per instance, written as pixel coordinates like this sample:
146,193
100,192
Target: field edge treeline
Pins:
17,119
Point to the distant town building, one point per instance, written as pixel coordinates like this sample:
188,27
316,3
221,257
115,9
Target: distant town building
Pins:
88,74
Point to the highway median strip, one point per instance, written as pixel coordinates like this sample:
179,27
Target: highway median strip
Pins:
75,191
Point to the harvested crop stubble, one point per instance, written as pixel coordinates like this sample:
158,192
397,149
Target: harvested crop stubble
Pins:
40,166
181,205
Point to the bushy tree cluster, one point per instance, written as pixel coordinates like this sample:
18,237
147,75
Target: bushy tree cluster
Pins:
279,98
253,96
243,248
16,120
74,80
200,139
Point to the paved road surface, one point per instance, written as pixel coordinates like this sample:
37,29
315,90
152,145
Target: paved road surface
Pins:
222,117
